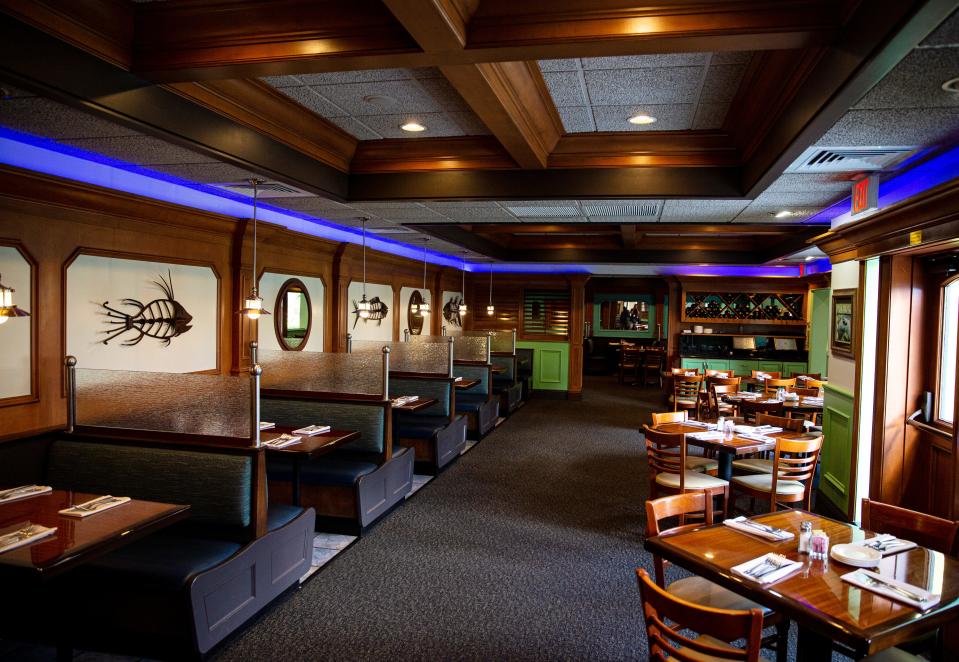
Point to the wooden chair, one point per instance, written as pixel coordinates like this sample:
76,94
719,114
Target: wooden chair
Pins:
653,361
772,386
660,418
926,530
721,374
686,392
751,409
810,375
670,472
763,465
790,480
715,628
814,383
712,404
807,392
772,374
629,360
683,371
697,589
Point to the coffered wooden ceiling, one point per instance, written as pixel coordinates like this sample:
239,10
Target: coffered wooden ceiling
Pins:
522,101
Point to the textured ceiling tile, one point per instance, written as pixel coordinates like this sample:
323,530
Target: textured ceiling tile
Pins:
282,81
41,116
565,88
916,81
731,57
645,61
892,127
316,204
808,182
437,125
407,215
576,120
789,199
767,214
362,76
470,213
571,64
703,211
208,173
360,99
141,150
377,206
675,117
722,82
308,98
710,115
638,86
426,72
550,220
355,128
444,93
456,204
946,34
539,203
469,123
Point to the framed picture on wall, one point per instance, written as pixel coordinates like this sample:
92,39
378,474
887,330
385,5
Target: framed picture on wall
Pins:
842,334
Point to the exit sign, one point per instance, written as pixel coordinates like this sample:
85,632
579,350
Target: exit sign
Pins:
865,195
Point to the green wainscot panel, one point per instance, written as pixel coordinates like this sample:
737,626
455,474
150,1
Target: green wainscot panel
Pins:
704,364
742,368
769,366
790,369
550,364
836,457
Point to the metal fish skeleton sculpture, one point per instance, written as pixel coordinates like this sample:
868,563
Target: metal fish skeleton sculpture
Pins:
415,319
378,312
163,319
451,311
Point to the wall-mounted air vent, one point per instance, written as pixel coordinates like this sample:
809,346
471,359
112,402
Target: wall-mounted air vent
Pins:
848,159
637,209
543,212
266,190
391,231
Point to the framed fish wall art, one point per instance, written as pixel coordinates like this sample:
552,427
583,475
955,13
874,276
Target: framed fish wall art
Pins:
450,312
379,324
125,314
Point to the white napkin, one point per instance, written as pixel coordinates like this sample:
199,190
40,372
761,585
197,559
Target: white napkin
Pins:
700,424
94,506
756,529
768,574
312,430
768,429
265,425
405,399
23,492
458,379
26,535
706,436
859,578
282,441
772,401
755,436
898,546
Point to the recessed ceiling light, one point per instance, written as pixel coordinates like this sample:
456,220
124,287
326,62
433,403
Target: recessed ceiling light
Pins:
785,213
810,258
951,86
641,119
414,127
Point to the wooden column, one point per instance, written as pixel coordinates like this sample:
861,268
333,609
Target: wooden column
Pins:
339,293
673,322
577,310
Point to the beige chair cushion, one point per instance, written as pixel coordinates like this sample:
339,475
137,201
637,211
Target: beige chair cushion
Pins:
702,464
754,465
693,479
893,655
764,483
688,402
712,641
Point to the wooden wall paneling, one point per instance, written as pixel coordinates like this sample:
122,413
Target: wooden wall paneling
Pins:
673,324
577,305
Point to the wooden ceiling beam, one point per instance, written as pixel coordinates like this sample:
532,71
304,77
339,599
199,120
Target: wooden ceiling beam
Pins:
509,97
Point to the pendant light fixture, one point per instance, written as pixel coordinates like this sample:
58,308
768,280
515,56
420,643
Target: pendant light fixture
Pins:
425,303
489,309
462,308
253,306
363,308
7,307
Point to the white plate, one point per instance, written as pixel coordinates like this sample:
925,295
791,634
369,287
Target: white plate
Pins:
856,555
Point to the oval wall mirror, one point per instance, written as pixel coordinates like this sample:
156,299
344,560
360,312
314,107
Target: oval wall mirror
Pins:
293,315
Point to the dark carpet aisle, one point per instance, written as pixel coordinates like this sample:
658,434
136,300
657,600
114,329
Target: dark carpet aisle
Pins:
524,549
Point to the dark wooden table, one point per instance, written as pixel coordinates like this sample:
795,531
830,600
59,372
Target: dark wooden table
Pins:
416,405
800,405
497,369
467,383
727,449
78,540
309,448
826,608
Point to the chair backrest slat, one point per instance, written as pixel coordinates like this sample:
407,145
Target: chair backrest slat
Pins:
784,422
924,529
751,409
669,417
771,386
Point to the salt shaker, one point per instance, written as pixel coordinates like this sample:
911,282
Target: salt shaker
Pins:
805,537
729,428
719,423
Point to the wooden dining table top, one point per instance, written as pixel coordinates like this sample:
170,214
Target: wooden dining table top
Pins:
466,383
737,444
801,405
416,405
816,596
78,540
318,444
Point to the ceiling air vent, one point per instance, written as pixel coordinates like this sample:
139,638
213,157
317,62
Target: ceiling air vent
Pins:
266,190
391,231
543,212
637,209
848,159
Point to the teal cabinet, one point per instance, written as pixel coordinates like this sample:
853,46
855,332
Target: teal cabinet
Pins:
692,364
742,368
707,364
790,369
717,364
769,366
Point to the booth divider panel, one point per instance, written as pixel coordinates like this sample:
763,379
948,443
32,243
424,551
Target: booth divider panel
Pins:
322,372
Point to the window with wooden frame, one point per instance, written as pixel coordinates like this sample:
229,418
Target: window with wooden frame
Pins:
948,338
546,314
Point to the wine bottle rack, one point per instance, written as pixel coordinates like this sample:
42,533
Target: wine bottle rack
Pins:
745,307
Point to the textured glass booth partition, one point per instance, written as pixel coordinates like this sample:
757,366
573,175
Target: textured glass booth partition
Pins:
324,372
424,358
183,403
502,341
472,348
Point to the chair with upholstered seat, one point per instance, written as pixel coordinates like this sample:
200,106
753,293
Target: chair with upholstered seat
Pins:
693,462
686,391
715,390
772,386
670,472
790,480
923,529
698,590
762,465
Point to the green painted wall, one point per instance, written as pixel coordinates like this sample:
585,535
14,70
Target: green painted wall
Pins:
550,364
819,332
836,472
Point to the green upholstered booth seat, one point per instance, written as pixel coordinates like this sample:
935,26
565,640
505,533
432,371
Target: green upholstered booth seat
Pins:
508,363
425,388
470,372
368,419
